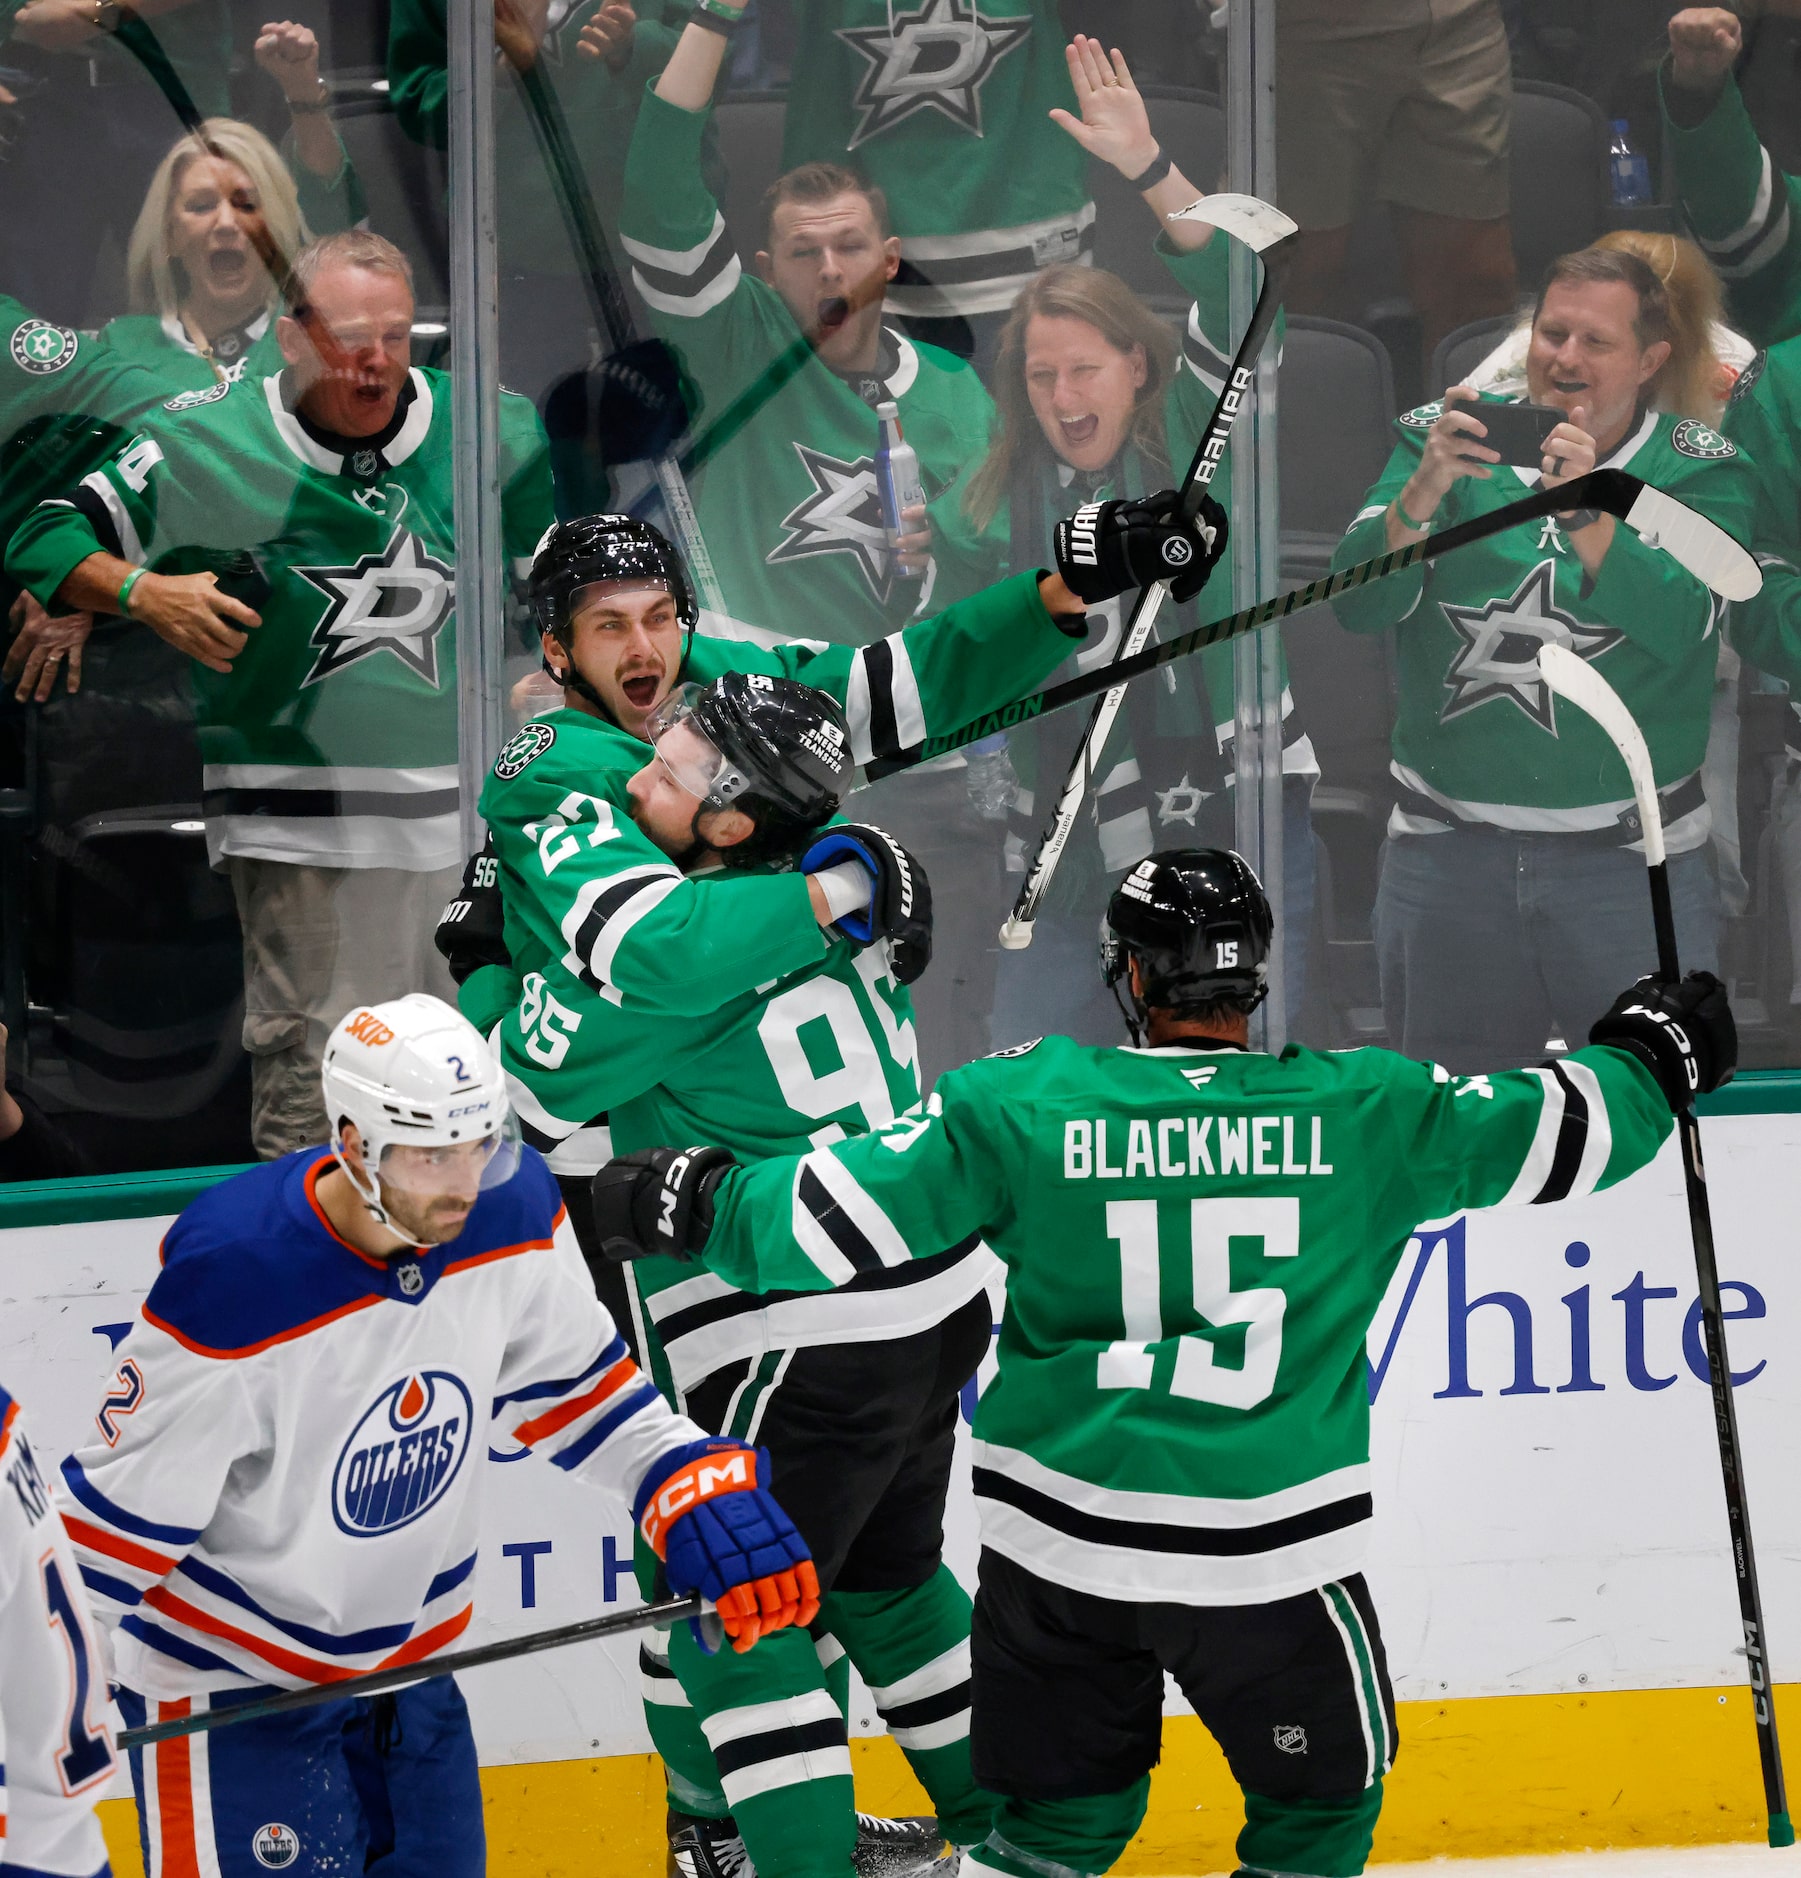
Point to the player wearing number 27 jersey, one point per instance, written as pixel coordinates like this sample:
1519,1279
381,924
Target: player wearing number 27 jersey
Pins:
56,1750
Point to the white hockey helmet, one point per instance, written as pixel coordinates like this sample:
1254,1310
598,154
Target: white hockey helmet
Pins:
414,1073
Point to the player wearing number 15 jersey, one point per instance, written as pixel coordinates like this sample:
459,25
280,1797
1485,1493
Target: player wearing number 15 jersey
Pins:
56,1749
1172,1463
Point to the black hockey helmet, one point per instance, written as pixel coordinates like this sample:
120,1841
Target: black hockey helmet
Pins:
773,747
1199,924
575,554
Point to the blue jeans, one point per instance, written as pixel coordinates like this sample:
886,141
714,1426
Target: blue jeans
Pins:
1490,944
379,1785
1054,987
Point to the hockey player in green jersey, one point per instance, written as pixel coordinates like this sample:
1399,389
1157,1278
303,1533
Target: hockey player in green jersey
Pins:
1741,208
653,997
1172,1461
294,536
1510,849
789,368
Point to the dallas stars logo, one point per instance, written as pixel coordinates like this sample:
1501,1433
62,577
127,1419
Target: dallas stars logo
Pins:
40,348
937,59
843,515
1501,641
395,601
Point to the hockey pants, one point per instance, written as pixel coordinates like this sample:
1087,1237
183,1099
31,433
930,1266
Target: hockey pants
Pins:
860,1437
1068,1721
384,1786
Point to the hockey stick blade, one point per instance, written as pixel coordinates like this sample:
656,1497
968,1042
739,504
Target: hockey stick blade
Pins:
1614,490
1254,222
667,1611
1247,219
1703,547
1572,677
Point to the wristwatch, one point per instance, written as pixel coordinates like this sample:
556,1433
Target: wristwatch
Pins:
107,14
1572,519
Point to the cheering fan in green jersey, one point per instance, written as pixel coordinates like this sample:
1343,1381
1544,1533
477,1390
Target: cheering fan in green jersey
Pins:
293,536
1172,1462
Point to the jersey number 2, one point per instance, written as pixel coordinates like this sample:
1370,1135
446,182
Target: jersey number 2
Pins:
87,1755
1275,1224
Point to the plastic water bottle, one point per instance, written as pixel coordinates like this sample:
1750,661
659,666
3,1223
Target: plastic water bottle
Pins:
897,479
1630,172
992,783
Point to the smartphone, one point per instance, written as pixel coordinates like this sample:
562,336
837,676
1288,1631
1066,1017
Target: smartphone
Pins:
1517,432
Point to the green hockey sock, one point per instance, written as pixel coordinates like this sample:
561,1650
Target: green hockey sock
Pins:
779,1744
1327,1838
912,1648
1060,1838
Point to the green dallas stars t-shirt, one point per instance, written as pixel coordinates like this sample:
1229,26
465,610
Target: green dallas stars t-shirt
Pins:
333,739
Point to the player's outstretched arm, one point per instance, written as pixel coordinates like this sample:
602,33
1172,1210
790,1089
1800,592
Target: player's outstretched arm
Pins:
1574,1126
930,1179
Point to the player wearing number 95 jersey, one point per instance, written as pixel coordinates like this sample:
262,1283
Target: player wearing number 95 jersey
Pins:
56,1749
1172,1463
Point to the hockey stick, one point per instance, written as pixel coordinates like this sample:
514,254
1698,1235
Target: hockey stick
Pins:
1574,678
668,1611
1702,547
607,301
1267,232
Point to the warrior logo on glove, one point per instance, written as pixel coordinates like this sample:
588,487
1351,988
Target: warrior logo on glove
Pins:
1108,548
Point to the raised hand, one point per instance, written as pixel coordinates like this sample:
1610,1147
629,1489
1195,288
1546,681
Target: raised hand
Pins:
1705,43
1114,124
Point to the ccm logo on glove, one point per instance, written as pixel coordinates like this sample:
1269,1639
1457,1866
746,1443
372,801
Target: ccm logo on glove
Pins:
689,1486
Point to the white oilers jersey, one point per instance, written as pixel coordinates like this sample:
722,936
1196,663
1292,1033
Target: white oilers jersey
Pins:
283,1481
56,1750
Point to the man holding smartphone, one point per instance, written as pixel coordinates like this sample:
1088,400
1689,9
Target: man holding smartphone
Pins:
1512,890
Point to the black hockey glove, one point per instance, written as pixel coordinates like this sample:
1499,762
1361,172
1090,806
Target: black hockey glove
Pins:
900,902
634,404
1683,1034
658,1200
1111,547
471,930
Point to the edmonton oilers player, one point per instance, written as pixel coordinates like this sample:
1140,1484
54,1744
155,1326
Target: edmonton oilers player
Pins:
282,1485
1172,1463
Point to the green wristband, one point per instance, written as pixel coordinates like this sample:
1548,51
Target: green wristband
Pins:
125,587
1423,528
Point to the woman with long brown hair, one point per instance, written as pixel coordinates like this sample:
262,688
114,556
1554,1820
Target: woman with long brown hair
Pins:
1096,398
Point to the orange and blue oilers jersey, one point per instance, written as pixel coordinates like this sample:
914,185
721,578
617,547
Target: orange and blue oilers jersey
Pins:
56,1749
282,1485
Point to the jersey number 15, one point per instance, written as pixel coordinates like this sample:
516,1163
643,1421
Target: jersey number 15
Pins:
1197,1373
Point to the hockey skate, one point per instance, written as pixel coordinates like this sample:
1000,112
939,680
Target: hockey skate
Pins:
902,1848
706,1848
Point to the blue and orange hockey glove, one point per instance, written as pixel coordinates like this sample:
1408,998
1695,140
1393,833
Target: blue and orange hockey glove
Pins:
703,1512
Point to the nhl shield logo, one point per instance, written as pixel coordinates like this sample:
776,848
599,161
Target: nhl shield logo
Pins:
275,1846
40,348
402,1455
410,1278
364,464
1291,1738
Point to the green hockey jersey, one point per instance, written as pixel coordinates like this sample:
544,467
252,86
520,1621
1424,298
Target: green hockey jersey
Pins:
333,739
1743,210
714,1007
1170,754
1764,418
609,919
186,46
945,106
1478,737
67,402
1196,1242
787,496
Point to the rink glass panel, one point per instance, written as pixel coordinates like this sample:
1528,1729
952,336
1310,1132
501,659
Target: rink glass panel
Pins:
125,976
